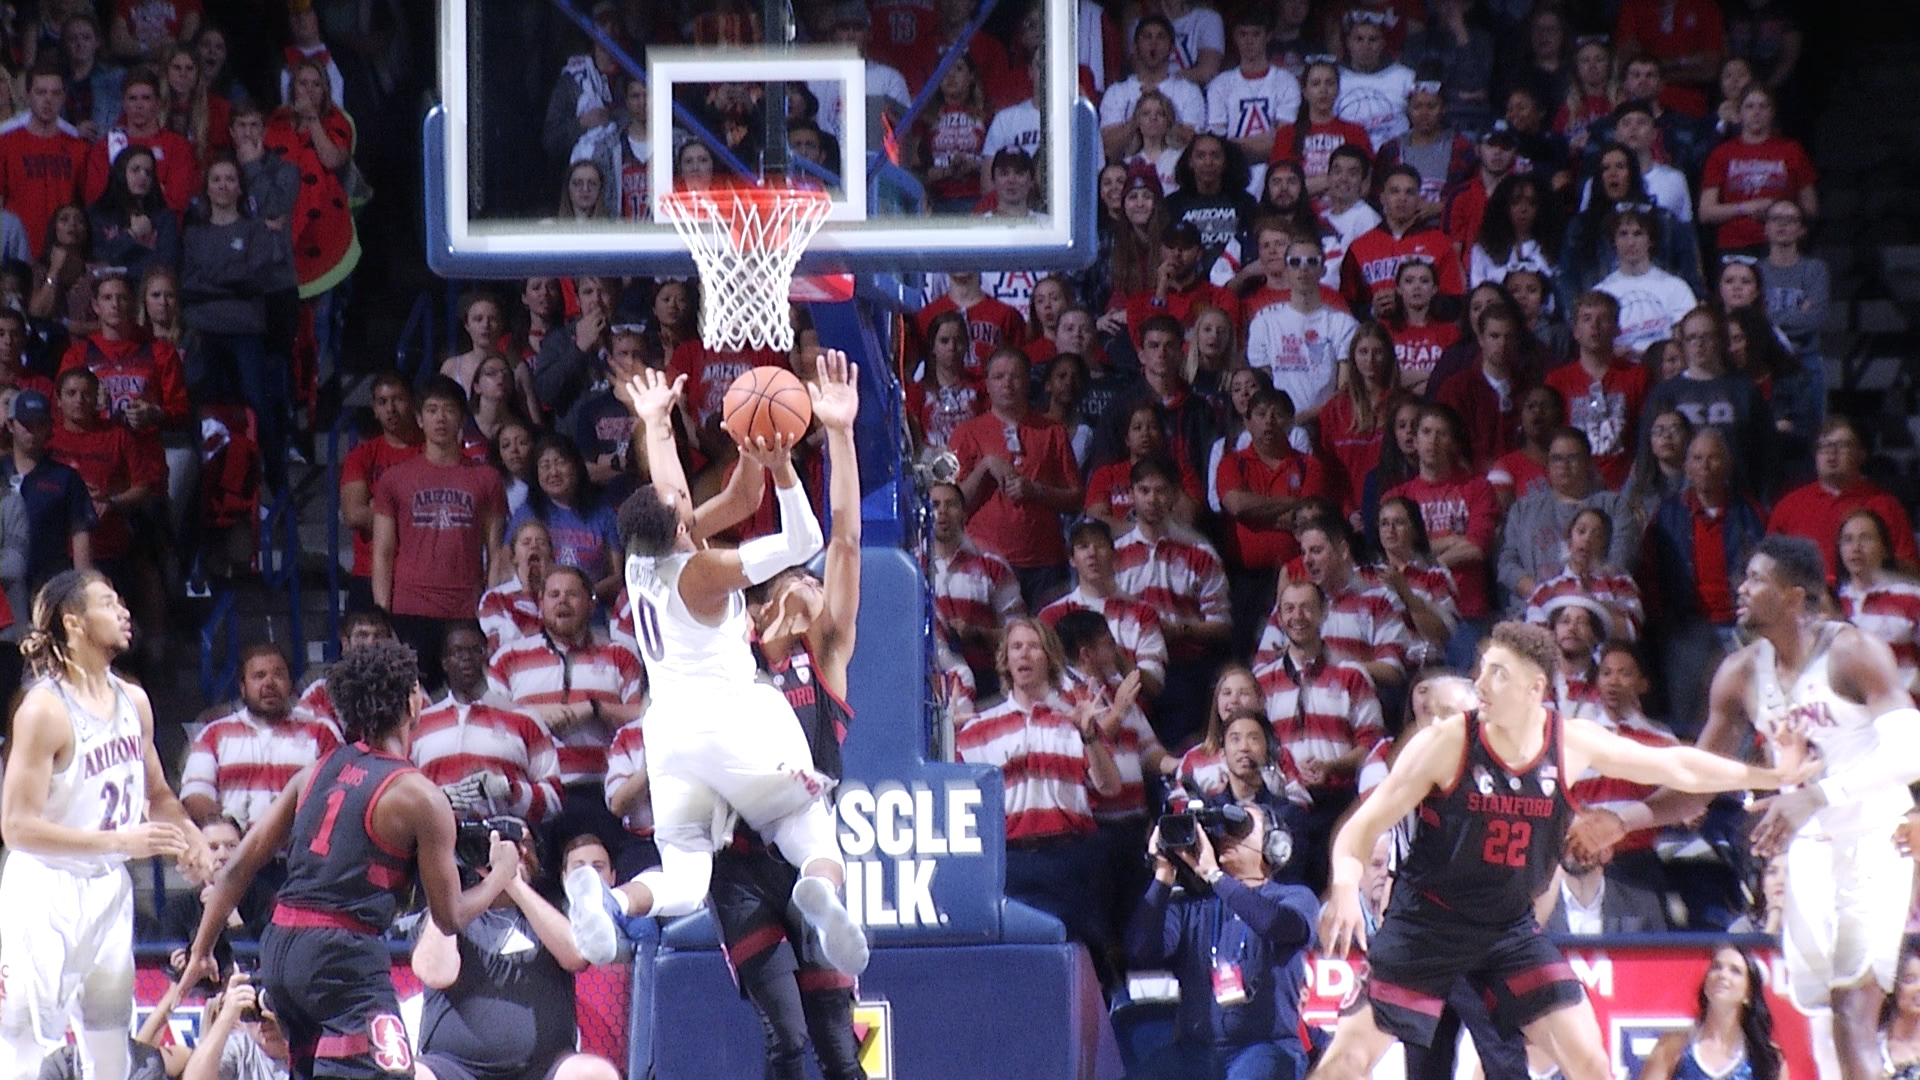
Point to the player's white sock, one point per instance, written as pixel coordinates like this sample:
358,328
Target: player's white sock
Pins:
844,943
591,907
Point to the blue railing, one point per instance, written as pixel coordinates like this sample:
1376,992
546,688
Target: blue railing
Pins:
335,446
280,570
218,633
419,324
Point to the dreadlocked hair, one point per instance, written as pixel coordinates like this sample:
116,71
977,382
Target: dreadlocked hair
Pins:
44,649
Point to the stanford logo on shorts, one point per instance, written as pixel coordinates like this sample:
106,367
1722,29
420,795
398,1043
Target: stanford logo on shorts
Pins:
387,1039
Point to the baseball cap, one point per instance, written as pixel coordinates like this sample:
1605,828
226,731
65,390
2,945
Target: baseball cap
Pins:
1142,175
32,407
1181,234
1499,135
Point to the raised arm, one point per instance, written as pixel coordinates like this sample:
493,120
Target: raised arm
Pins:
1682,768
654,397
1429,760
836,402
714,574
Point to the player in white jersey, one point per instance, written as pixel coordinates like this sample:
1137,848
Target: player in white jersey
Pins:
1847,883
84,793
719,740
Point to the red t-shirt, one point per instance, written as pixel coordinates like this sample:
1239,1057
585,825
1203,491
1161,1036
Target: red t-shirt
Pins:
1611,417
1461,505
106,458
151,20
944,408
1111,486
131,370
1492,430
1816,513
177,166
1352,452
1516,474
1321,141
1297,476
364,463
39,174
1710,563
1465,208
1776,168
1182,304
709,373
1026,533
1375,255
1418,348
953,130
990,324
441,513
1694,27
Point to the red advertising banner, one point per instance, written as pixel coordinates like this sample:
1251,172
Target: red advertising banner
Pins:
602,1002
1640,992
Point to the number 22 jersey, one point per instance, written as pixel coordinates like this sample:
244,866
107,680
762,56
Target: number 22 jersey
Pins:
1484,847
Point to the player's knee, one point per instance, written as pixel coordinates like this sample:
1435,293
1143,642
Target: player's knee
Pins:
1583,1061
585,1067
1344,1060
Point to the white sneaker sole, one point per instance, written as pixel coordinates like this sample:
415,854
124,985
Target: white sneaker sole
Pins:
841,939
593,931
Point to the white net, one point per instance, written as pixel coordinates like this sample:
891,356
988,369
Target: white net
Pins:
746,242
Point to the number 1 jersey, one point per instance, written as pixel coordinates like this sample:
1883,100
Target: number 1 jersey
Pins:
335,863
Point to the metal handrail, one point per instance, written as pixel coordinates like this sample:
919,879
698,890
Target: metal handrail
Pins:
419,324
217,685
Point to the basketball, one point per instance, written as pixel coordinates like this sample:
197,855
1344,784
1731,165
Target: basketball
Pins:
766,403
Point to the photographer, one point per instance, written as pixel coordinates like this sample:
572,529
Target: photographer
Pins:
500,996
262,1055
1238,946
1247,750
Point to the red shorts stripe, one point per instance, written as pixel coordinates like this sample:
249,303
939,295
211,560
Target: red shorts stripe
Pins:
1526,982
754,942
341,1046
814,980
299,918
1402,997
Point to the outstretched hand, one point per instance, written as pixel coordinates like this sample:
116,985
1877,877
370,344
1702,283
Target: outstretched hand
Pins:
654,395
836,397
769,454
1592,836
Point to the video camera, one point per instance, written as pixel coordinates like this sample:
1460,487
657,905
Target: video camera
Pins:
1180,827
472,845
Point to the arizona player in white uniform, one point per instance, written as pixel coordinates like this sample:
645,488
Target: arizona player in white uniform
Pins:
1847,883
84,793
718,738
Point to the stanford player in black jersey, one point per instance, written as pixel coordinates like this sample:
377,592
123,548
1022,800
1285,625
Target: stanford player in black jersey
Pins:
805,627
358,826
1490,793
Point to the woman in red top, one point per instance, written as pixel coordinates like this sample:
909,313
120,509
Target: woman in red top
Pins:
946,396
1315,133
1354,421
1110,488
192,110
1745,176
1418,338
1592,94
950,140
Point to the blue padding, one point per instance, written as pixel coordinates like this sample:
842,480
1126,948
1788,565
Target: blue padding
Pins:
695,931
1029,925
956,1013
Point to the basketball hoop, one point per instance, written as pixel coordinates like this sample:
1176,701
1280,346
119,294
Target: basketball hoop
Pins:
747,242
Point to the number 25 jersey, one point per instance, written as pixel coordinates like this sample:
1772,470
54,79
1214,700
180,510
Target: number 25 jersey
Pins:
1487,845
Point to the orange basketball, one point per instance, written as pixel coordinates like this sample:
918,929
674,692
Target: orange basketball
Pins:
765,403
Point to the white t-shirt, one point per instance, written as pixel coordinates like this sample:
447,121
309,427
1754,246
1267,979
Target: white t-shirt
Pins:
1347,225
1189,104
1302,352
1651,305
882,82
1239,107
1377,102
1016,126
1163,164
1200,29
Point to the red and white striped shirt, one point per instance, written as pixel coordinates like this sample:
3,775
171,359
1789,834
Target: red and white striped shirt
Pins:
1180,574
1613,589
508,613
536,671
1889,611
316,704
1206,770
1323,711
1134,625
243,762
1608,792
1435,585
1576,694
1365,623
627,756
453,741
977,589
1129,746
1042,760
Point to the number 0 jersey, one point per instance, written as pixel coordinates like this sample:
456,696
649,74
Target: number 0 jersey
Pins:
687,660
1484,847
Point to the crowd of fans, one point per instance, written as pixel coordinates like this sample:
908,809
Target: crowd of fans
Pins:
1406,318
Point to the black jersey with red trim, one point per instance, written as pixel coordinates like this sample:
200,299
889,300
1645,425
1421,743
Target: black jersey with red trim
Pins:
824,716
1485,846
336,864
